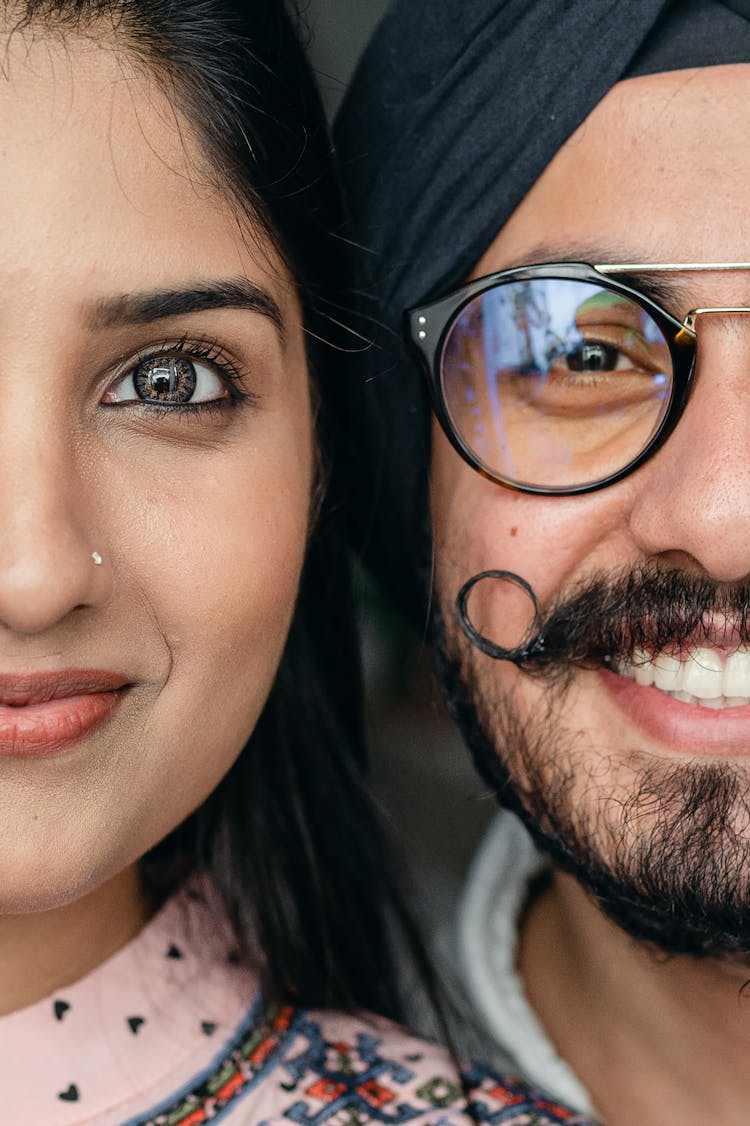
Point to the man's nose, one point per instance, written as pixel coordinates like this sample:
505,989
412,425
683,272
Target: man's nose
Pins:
692,503
48,529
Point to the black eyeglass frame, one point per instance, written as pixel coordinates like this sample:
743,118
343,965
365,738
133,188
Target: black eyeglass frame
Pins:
427,327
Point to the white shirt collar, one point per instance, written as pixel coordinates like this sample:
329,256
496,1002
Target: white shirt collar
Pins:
490,909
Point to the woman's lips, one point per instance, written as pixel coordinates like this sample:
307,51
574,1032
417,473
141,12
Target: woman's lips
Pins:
677,726
46,713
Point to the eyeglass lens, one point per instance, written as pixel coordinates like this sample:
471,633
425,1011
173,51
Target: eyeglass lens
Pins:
555,383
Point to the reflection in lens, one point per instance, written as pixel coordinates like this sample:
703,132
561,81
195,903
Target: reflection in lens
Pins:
555,382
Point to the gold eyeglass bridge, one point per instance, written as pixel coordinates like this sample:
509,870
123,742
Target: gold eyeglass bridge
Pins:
689,320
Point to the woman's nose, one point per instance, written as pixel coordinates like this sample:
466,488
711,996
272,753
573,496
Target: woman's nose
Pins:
49,543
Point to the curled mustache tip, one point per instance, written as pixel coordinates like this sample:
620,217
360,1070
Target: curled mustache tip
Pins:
529,650
611,617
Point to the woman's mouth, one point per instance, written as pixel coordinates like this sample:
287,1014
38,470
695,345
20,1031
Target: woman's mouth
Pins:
43,714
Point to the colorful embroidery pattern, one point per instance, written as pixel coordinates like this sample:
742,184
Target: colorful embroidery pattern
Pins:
346,1083
244,1061
497,1100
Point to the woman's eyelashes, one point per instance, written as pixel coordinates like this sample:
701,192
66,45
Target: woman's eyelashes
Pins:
182,377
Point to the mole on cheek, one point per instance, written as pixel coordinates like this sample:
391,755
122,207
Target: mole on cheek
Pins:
514,532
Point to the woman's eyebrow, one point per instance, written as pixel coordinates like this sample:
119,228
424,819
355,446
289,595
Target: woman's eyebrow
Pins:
142,308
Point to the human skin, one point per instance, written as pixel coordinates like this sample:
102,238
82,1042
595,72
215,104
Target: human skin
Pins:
201,519
657,173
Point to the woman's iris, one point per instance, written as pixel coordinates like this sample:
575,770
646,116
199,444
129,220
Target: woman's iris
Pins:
165,379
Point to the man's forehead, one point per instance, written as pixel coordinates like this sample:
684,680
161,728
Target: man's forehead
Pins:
674,192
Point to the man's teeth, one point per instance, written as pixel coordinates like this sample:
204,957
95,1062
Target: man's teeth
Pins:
704,676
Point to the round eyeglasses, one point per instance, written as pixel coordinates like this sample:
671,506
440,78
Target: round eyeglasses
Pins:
557,378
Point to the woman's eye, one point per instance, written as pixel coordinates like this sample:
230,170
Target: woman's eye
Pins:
172,381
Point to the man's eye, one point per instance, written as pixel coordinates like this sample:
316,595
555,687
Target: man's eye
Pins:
594,356
165,380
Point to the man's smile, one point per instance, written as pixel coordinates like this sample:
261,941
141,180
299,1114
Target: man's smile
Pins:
705,676
697,704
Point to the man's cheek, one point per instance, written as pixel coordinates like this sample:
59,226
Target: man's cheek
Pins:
481,526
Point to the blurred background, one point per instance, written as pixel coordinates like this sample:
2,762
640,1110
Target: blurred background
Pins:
339,30
434,801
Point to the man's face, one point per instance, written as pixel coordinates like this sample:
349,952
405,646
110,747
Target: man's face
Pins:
644,789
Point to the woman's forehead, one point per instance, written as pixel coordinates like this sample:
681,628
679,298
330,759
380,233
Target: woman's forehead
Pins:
105,186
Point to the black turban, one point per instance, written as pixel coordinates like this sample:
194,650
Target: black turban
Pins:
455,110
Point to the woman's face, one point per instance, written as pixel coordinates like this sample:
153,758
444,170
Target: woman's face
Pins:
171,438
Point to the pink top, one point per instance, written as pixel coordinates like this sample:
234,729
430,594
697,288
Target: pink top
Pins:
171,1031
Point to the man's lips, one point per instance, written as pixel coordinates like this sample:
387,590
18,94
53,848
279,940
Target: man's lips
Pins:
677,725
44,713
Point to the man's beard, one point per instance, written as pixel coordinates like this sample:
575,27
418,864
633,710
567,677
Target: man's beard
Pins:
669,863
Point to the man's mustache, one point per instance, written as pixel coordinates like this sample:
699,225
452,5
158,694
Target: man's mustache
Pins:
610,617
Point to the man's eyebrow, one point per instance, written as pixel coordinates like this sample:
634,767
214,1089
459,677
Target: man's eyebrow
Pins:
667,289
143,308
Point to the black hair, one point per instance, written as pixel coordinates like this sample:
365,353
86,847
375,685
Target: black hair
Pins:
292,836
